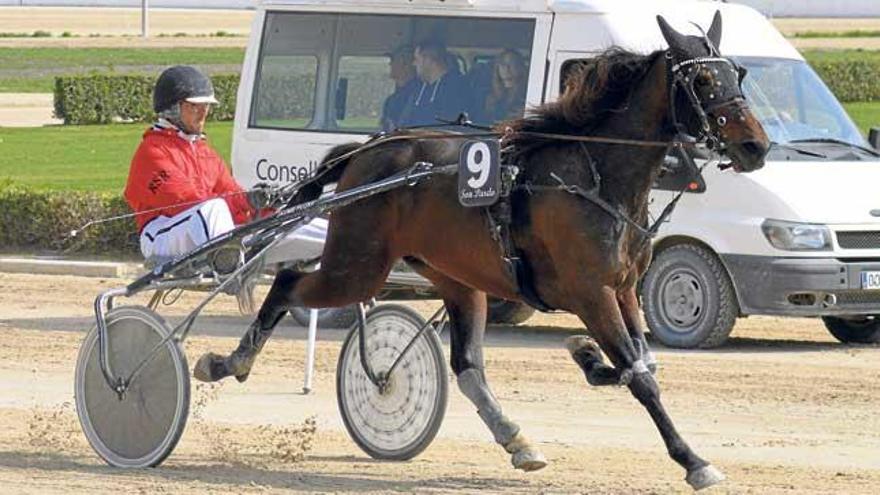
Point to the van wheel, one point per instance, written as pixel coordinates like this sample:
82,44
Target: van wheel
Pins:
863,329
344,317
504,312
688,299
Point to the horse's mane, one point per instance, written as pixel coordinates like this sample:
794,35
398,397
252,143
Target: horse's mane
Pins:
594,89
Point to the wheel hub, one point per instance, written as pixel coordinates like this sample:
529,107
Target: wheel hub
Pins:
683,299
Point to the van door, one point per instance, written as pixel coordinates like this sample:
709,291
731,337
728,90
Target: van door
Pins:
316,79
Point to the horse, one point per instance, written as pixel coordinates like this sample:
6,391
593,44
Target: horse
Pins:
582,257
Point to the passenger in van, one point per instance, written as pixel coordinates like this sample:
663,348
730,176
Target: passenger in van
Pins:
507,96
442,91
406,84
179,188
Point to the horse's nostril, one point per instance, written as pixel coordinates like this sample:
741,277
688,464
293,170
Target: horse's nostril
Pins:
754,148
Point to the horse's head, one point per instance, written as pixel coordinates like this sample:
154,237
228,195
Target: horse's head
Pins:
707,99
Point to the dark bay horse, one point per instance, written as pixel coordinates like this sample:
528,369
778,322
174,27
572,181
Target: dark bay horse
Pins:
583,259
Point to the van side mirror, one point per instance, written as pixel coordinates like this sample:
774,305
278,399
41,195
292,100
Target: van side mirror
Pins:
874,137
680,172
341,98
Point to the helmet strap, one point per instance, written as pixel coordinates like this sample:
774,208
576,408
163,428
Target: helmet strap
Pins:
172,114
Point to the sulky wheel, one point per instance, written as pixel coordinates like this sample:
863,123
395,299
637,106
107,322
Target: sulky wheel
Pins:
142,427
400,421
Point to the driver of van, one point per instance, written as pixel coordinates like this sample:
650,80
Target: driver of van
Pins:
179,188
442,91
402,71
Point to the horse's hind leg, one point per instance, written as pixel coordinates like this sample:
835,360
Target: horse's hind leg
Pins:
467,315
345,277
212,367
602,313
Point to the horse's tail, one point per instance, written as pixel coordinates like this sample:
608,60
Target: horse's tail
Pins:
328,172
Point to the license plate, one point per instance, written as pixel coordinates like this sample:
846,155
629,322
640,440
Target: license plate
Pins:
870,280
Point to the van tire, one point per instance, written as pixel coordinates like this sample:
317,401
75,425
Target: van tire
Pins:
504,312
854,330
344,317
688,298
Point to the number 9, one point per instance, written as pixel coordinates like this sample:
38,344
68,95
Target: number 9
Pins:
478,162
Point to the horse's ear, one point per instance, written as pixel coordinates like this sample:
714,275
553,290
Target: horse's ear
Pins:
673,38
714,33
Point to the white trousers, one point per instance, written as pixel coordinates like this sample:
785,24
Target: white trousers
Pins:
166,237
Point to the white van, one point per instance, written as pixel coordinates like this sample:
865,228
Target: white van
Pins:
799,237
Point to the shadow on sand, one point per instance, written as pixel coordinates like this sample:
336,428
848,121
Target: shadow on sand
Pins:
186,470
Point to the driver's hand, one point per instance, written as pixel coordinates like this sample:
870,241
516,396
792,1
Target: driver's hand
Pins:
261,196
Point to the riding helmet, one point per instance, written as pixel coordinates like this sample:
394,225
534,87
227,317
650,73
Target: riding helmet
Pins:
182,82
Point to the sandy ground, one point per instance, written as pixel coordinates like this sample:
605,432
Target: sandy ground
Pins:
85,21
781,409
26,110
836,43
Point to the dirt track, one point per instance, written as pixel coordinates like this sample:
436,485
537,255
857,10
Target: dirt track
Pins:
781,409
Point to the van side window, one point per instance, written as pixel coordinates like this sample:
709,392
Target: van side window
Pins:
359,76
361,73
285,91
287,72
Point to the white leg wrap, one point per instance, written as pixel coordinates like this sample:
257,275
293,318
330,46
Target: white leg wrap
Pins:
639,367
473,386
644,353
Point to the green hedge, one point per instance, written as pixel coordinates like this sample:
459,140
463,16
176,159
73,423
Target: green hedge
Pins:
32,219
106,98
852,80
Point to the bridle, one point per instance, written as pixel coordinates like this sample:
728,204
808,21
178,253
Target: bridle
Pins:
721,98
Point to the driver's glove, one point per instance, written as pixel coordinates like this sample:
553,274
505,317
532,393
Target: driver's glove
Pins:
261,196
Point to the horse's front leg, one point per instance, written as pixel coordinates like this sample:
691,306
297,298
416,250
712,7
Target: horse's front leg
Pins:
602,313
586,352
212,367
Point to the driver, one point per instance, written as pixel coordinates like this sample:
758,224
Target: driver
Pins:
178,186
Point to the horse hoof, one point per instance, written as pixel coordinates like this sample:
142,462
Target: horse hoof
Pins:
577,344
209,368
528,459
523,455
704,477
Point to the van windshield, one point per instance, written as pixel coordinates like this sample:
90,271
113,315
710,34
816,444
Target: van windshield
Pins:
363,73
793,104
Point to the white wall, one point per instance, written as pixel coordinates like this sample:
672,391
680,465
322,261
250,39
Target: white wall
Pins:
191,4
775,8
815,8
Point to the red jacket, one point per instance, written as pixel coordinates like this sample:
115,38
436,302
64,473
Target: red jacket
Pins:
168,170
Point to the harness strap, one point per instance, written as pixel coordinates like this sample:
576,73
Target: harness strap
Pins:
500,219
592,197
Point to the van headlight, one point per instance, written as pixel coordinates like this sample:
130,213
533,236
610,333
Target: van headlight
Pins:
791,236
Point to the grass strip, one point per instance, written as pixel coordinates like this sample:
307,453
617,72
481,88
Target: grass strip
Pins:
81,158
855,33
